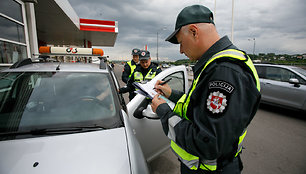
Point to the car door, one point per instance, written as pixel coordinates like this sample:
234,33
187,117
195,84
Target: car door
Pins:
278,90
145,123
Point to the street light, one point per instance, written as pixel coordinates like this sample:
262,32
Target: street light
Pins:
253,47
232,34
164,28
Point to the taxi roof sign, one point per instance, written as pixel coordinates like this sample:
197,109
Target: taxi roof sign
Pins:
71,51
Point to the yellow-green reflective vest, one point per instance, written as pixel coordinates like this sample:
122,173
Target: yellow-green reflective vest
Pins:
138,77
132,68
191,161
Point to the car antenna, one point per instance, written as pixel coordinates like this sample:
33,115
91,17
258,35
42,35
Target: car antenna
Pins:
58,66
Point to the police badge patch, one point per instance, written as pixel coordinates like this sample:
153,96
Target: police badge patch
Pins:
216,102
219,95
143,53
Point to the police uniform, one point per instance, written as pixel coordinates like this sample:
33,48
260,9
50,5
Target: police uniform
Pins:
141,74
209,124
129,67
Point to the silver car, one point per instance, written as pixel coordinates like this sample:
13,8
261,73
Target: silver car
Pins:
68,118
282,85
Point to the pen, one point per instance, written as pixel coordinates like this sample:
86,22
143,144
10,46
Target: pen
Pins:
164,82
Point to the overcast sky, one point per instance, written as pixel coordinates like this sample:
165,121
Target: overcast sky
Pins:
278,26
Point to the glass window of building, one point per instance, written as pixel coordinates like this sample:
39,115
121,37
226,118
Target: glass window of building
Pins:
11,53
12,32
12,9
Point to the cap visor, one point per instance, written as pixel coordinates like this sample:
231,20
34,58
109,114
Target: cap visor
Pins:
172,37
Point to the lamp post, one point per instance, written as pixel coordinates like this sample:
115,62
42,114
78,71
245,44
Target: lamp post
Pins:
253,47
232,34
164,28
157,46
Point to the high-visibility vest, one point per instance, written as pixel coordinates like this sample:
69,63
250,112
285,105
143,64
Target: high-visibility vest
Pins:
138,77
191,161
132,68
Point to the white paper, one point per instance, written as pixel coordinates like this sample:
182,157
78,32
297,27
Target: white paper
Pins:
145,89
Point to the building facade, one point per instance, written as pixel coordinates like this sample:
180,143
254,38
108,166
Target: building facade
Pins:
25,25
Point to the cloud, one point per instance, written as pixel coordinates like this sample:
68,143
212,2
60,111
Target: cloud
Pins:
277,25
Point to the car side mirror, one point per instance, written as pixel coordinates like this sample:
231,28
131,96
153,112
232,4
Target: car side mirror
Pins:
148,113
138,112
144,110
295,82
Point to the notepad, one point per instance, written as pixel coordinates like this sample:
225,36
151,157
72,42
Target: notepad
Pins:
148,91
145,89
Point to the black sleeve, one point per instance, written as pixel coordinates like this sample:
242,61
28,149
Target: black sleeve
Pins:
220,108
158,70
175,95
129,86
126,72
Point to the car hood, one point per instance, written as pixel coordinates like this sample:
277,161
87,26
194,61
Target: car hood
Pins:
92,152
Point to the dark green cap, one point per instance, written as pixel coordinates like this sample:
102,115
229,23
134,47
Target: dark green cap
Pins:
135,51
144,55
191,15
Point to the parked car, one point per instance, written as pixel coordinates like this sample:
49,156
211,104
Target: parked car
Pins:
165,65
283,85
69,118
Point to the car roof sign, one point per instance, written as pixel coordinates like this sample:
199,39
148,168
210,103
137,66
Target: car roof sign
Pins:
71,51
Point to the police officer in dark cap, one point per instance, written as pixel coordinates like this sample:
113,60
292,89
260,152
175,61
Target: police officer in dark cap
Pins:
130,66
144,71
208,124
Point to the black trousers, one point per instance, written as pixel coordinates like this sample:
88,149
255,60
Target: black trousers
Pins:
234,167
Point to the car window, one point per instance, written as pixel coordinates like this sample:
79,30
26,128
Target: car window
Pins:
300,70
261,70
281,74
303,72
53,99
273,73
177,81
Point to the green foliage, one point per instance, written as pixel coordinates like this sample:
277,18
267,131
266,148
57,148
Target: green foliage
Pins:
288,62
184,62
262,57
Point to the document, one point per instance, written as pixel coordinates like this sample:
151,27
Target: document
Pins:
145,89
148,91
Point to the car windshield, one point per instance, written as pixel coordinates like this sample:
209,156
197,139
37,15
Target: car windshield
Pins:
41,100
300,70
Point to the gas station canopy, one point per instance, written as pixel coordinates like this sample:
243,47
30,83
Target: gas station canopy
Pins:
58,24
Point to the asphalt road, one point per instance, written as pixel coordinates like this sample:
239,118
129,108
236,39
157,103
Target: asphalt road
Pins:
275,143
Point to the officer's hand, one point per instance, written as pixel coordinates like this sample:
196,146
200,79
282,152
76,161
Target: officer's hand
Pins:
164,90
156,101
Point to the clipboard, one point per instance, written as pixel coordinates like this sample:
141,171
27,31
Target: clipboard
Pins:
145,89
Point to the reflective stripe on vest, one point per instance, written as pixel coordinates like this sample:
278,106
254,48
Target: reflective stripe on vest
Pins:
241,138
132,68
192,161
138,77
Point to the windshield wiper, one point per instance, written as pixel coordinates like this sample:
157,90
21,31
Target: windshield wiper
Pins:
50,131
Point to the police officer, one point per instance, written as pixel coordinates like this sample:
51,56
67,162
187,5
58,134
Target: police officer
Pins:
208,124
130,66
145,71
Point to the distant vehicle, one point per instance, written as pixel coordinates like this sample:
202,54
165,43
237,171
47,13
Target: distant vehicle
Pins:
69,118
165,66
282,85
